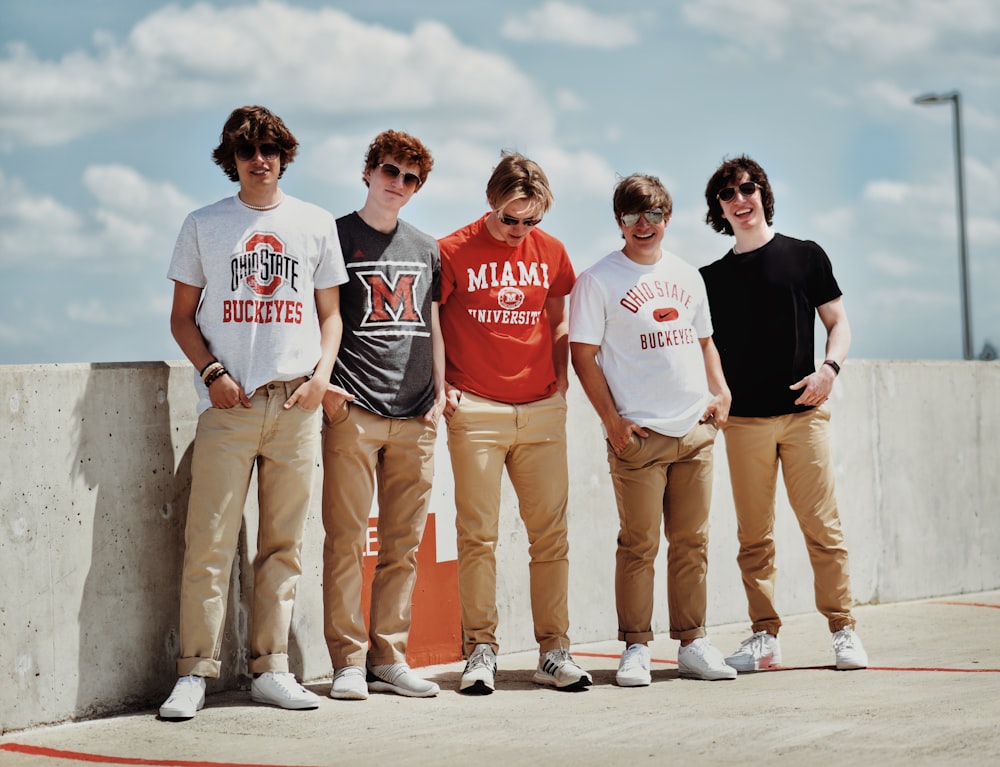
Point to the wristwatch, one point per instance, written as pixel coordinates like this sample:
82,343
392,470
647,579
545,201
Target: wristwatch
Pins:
833,364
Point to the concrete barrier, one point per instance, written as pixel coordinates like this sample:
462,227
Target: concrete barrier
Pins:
95,473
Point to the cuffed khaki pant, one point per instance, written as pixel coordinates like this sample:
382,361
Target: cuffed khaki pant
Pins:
528,439
800,442
358,448
670,479
283,444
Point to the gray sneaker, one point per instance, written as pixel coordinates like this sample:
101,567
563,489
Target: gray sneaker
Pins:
480,672
557,668
398,678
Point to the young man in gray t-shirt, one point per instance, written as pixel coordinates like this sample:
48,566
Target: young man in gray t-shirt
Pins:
392,364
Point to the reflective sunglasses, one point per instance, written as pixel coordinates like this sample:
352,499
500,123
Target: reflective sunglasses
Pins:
247,152
392,172
747,188
509,221
652,216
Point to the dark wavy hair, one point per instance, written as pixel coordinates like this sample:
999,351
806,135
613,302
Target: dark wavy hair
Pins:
730,173
253,125
401,147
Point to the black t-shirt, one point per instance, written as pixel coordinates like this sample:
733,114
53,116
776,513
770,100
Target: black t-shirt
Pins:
763,307
386,355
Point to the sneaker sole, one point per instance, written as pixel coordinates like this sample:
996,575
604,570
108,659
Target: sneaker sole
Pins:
632,682
288,705
580,684
350,695
711,677
176,713
745,669
381,686
479,687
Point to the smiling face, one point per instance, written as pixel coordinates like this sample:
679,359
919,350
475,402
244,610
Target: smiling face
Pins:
744,212
258,174
643,238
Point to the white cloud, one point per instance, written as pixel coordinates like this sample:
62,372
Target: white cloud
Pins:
178,60
885,31
566,24
135,222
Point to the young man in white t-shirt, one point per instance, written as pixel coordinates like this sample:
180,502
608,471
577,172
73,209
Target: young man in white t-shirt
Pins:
641,343
256,311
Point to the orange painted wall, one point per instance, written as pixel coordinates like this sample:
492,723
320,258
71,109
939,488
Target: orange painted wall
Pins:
435,634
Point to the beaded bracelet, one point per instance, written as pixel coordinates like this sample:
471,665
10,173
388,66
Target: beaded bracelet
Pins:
210,371
215,375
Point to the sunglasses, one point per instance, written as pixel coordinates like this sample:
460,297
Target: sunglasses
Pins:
652,216
392,172
747,188
509,221
247,152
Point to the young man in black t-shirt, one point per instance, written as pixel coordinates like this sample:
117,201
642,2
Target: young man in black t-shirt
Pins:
764,296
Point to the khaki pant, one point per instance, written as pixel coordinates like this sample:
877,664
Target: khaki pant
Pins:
358,447
283,444
528,439
669,479
800,442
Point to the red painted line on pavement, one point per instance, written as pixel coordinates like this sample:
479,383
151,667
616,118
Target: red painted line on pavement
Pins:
615,657
820,668
78,756
965,604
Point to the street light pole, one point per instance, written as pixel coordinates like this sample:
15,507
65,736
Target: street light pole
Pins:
963,259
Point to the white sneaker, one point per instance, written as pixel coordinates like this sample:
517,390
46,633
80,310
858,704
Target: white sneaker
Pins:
758,651
557,668
633,670
849,650
398,678
480,672
186,700
349,684
701,660
279,688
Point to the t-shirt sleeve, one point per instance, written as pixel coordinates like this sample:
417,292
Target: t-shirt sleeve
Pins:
330,269
822,285
185,265
586,311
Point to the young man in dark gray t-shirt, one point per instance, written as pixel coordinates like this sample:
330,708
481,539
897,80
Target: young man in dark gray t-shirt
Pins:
391,362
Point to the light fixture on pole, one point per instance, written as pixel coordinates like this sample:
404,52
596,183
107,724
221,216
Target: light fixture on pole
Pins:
963,259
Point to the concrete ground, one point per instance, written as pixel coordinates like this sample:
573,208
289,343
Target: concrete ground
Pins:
931,696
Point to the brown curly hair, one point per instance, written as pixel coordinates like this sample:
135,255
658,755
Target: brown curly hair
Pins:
253,125
729,174
401,147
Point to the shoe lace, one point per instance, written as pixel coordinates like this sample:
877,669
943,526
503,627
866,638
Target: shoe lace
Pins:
480,658
843,640
754,645
632,658
286,684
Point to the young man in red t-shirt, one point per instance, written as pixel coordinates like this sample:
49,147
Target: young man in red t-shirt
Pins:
504,284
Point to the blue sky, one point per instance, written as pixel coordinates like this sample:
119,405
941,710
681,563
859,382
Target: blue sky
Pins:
109,111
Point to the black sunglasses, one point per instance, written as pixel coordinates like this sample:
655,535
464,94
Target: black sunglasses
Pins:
510,221
392,172
747,188
247,152
652,216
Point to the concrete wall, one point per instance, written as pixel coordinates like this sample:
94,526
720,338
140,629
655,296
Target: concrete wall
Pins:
94,478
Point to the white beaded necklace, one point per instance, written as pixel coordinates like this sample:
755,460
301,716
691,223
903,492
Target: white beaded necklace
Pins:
262,207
